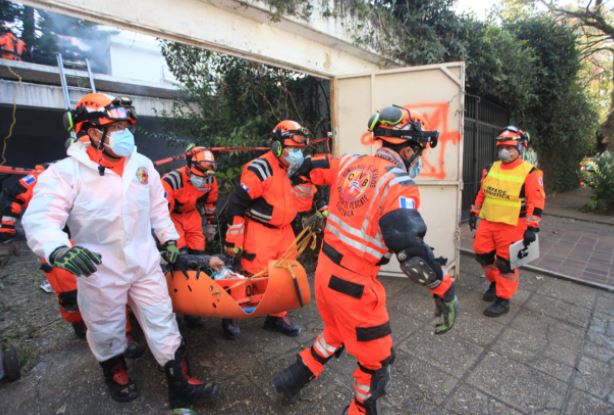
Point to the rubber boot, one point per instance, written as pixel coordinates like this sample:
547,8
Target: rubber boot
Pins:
282,325
292,379
80,329
121,387
231,328
490,293
498,308
183,389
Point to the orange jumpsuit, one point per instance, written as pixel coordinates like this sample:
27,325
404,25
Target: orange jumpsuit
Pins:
261,211
11,47
494,237
15,201
350,298
187,204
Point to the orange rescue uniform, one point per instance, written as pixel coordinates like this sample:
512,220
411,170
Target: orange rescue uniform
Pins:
350,298
261,212
511,198
187,204
11,47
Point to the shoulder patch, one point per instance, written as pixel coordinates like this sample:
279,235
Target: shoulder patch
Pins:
261,168
29,179
407,203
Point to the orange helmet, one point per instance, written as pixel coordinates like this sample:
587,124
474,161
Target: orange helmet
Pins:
200,161
512,136
400,125
291,134
97,109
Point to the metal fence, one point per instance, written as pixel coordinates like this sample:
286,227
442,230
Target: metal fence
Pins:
483,120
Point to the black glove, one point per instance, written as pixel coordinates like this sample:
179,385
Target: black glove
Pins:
530,235
77,260
473,221
447,309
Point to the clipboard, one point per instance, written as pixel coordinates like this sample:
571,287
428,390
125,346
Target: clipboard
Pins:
521,255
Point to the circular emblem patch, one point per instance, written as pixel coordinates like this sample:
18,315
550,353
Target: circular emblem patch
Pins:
356,184
142,175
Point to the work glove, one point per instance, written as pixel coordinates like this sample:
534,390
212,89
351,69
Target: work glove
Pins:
170,252
316,221
530,235
233,251
447,309
473,221
211,232
76,260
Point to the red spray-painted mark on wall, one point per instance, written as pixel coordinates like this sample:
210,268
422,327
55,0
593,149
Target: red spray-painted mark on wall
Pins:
437,116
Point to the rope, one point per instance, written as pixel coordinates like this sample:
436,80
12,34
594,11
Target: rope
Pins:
13,115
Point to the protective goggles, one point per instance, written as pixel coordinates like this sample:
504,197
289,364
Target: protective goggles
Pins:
512,133
203,168
295,138
389,116
411,130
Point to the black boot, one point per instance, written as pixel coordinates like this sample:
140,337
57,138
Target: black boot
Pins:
183,389
121,387
490,293
193,322
79,329
231,328
282,325
135,349
499,307
292,379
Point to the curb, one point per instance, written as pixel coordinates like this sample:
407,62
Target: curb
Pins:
556,274
562,215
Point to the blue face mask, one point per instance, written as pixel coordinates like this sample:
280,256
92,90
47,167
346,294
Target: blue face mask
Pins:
415,168
121,142
294,159
198,182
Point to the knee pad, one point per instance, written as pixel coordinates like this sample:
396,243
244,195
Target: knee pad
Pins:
503,265
485,259
68,300
379,382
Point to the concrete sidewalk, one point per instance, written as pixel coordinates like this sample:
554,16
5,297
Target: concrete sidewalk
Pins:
552,354
574,244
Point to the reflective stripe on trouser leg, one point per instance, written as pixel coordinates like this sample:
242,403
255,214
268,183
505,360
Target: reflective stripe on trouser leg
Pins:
507,284
369,385
151,305
491,272
320,352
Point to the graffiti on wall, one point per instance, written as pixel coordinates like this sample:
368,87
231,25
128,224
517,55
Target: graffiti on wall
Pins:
437,115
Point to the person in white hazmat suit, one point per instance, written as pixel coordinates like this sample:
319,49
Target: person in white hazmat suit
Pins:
111,197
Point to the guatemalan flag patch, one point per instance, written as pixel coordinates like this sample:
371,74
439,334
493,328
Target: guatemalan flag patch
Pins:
29,179
407,203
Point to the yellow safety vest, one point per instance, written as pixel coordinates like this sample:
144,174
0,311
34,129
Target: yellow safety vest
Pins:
502,190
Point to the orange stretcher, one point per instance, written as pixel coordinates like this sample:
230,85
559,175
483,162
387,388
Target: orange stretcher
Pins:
284,286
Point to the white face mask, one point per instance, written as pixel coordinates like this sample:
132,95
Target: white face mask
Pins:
415,168
506,155
294,159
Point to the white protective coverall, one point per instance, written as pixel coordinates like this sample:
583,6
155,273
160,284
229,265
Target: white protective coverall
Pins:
113,216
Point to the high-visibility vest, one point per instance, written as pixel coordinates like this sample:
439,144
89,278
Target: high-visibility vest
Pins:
11,47
502,190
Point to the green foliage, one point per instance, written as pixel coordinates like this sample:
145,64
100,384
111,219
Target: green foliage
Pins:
601,180
236,103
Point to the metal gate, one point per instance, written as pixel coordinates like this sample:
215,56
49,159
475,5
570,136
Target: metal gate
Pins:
483,120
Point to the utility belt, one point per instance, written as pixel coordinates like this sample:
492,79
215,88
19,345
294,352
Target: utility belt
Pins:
350,262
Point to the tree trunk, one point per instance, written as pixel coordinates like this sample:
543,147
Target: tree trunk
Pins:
607,128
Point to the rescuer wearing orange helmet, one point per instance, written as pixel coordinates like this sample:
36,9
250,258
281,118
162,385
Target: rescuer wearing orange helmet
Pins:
111,197
11,47
262,208
509,203
192,192
373,211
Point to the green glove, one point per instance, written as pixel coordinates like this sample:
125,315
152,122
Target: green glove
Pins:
77,260
447,309
170,252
